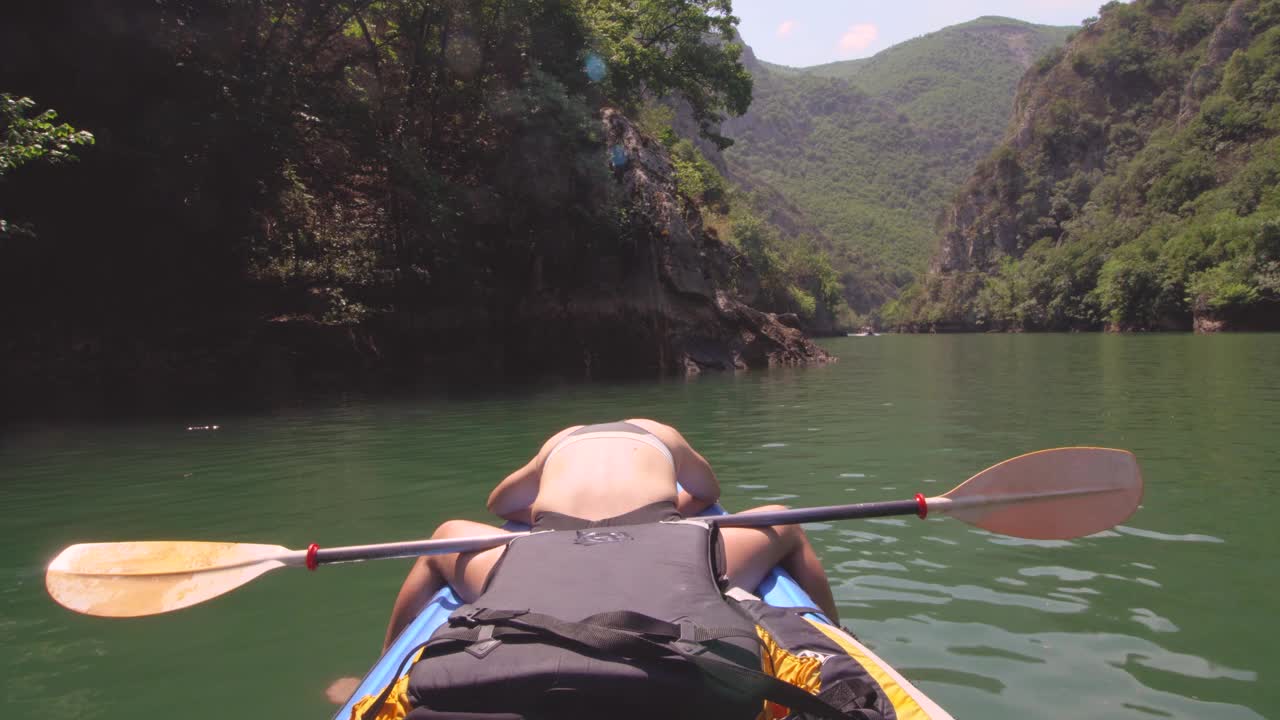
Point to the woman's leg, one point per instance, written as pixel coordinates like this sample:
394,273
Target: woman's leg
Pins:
466,572
752,552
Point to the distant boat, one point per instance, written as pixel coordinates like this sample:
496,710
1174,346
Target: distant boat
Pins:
863,334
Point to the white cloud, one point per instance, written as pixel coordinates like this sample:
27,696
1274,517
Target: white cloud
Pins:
786,28
857,38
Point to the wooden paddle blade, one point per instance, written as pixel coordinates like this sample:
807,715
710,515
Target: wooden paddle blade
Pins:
131,579
1051,494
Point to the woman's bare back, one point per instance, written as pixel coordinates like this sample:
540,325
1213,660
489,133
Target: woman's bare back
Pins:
602,477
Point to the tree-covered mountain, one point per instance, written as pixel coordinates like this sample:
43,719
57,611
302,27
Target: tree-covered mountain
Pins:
1138,186
871,150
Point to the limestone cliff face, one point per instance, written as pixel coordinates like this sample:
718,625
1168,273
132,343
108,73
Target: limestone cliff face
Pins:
663,302
986,221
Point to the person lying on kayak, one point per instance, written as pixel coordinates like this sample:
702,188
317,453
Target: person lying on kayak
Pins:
606,475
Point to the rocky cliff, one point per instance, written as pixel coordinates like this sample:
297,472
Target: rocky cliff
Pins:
662,299
665,301
1134,188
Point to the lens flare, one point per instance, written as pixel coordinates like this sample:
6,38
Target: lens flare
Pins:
595,67
618,156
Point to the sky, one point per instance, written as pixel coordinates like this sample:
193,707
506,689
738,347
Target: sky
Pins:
810,32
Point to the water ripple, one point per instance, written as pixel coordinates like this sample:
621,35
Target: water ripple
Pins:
1062,573
1153,621
1168,537
882,587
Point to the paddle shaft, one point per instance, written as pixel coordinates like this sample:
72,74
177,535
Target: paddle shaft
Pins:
417,548
920,506
413,548
818,514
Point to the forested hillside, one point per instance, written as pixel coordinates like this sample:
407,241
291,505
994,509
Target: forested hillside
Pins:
871,150
283,191
1138,186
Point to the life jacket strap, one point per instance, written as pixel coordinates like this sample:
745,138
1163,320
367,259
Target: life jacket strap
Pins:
801,702
623,620
619,633
635,635
853,697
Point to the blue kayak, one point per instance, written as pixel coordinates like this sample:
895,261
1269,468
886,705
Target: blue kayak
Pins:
778,589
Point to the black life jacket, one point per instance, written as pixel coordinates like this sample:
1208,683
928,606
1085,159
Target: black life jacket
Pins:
547,637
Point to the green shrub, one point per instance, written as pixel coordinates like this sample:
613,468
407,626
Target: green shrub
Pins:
1049,60
1129,287
1196,21
1223,287
806,304
1224,119
696,177
1189,177
28,139
1265,15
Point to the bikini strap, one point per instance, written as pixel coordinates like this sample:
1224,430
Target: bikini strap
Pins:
614,430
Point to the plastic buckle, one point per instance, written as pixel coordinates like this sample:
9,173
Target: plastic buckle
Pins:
470,618
485,642
687,644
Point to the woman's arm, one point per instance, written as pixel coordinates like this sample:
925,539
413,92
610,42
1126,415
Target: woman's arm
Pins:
698,482
693,472
514,496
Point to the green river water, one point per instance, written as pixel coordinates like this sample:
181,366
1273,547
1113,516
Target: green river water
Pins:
1172,615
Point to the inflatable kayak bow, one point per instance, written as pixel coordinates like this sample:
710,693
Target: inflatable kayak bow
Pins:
810,633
